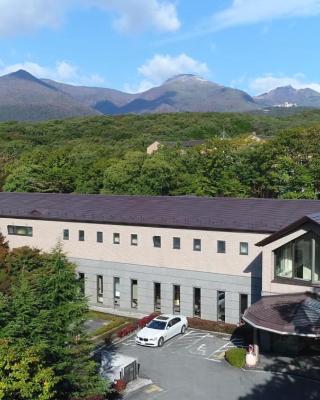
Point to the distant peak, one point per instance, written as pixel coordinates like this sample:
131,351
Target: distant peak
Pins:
185,78
22,74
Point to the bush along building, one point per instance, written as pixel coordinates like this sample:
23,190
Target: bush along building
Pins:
220,259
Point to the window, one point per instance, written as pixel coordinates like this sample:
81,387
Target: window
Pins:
221,306
66,234
116,292
197,302
176,243
134,293
81,281
299,259
116,238
134,240
157,296
99,237
197,244
20,230
243,305
244,248
221,246
176,299
156,241
81,236
99,288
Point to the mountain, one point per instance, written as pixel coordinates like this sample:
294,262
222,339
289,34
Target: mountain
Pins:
289,96
185,93
24,97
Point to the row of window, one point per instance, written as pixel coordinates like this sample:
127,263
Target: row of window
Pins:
176,241
243,299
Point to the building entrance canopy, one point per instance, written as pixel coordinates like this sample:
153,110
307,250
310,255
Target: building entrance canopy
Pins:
288,314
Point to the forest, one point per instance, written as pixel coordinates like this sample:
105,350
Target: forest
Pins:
243,155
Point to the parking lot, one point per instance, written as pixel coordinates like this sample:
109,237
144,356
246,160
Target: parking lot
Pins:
191,366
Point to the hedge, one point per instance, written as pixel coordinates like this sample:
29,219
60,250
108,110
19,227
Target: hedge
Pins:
236,357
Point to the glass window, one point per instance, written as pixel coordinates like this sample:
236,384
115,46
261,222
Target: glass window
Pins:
81,281
316,274
156,241
81,236
66,234
134,293
197,302
197,244
243,304
20,230
303,258
116,291
221,246
284,261
295,259
116,238
157,296
176,243
99,288
221,303
134,239
176,299
99,237
244,248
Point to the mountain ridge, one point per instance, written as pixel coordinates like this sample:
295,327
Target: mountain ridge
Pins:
25,97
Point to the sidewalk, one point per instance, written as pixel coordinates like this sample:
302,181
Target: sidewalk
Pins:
307,366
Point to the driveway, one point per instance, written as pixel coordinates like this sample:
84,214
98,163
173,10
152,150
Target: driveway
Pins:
191,367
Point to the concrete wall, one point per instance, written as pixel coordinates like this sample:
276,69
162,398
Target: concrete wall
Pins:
46,235
209,283
207,269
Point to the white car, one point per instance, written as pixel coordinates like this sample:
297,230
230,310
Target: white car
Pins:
161,329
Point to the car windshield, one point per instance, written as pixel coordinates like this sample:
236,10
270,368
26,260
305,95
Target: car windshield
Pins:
161,325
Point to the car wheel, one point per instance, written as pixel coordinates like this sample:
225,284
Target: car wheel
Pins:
160,342
183,329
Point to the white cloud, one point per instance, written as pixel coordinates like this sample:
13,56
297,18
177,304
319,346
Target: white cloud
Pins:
21,16
268,82
243,12
138,15
163,66
61,72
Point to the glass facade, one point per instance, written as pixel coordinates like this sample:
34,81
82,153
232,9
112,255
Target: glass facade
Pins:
299,259
221,303
20,230
116,292
157,296
134,293
197,302
176,299
99,288
221,246
176,243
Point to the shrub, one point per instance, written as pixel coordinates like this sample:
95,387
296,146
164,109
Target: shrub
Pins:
236,357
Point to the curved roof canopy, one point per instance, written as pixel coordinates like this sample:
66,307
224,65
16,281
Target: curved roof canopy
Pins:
288,314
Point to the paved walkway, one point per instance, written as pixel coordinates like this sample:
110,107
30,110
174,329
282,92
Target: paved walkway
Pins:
306,366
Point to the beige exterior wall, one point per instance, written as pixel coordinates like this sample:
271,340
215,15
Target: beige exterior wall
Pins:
268,286
46,234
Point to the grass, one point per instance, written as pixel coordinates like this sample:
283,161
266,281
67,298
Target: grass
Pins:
236,357
214,326
115,322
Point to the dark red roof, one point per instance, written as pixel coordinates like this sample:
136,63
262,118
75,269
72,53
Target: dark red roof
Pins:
213,213
292,314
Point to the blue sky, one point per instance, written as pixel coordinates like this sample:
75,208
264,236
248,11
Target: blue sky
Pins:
132,45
